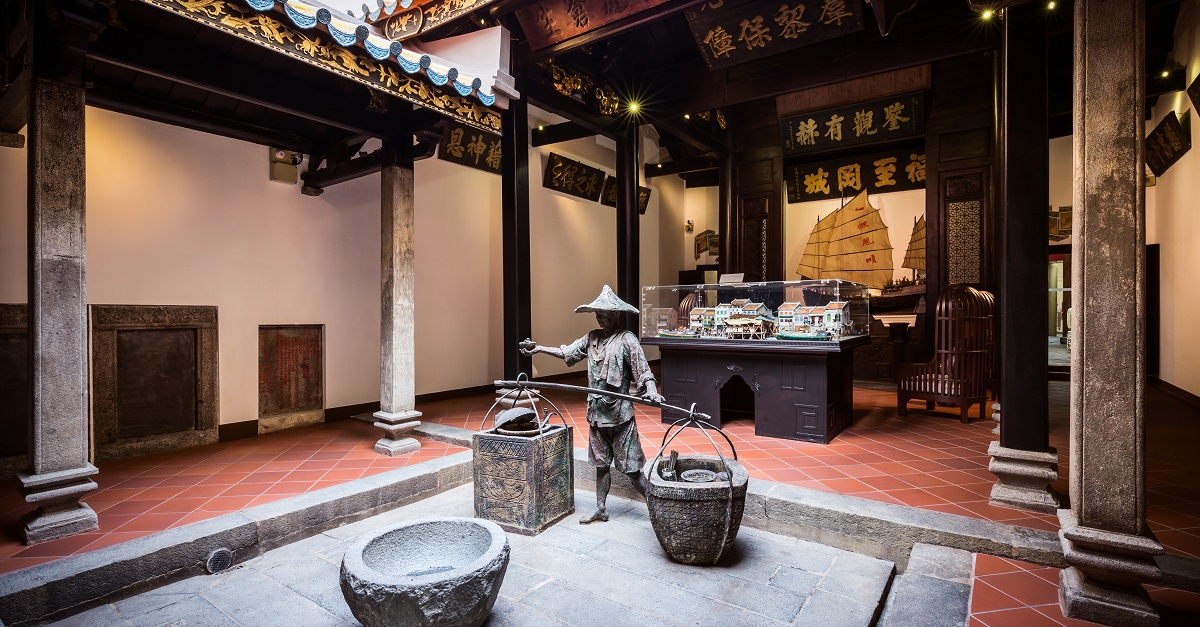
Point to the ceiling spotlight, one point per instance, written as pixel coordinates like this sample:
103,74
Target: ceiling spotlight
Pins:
987,14
660,166
687,116
633,107
1166,73
541,127
1050,5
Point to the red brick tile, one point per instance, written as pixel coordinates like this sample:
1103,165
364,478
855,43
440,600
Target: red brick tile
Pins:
988,598
150,522
245,489
1025,587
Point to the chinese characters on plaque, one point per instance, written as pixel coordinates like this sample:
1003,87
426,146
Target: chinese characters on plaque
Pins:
572,177
729,32
473,148
1168,142
548,22
609,197
892,171
886,119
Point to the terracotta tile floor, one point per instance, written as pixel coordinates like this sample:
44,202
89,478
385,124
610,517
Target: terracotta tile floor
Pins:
1011,593
144,495
926,459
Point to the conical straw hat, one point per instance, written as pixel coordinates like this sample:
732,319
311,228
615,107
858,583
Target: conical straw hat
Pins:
607,301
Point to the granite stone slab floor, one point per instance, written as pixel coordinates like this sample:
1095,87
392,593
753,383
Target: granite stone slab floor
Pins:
605,574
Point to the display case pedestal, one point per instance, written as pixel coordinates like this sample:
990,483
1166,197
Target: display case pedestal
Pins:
802,390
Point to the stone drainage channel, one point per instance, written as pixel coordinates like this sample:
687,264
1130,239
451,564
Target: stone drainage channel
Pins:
808,556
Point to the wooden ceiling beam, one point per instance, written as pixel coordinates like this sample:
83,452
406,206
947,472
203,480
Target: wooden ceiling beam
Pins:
555,133
169,60
121,101
680,166
608,31
845,58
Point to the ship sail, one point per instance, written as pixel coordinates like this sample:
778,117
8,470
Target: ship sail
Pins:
814,252
859,248
914,257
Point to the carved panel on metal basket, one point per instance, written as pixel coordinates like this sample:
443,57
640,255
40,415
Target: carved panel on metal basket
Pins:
963,232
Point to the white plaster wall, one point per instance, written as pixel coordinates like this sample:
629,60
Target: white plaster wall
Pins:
180,217
573,247
460,277
1176,222
899,210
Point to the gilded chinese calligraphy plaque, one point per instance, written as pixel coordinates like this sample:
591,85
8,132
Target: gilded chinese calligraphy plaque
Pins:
549,22
728,32
473,148
571,177
609,197
1169,141
884,120
896,170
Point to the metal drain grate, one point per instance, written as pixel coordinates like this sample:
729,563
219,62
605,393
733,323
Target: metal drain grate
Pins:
219,560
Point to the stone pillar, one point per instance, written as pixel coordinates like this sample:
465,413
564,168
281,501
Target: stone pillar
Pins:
397,371
1104,534
628,220
58,335
1024,463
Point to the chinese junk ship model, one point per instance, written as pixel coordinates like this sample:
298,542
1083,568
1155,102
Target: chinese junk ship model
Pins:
850,243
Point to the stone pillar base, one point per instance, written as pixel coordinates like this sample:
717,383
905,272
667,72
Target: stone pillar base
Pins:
1024,478
1082,599
996,417
396,428
59,513
1103,584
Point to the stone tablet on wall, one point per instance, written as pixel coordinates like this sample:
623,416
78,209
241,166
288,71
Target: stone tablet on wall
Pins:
291,390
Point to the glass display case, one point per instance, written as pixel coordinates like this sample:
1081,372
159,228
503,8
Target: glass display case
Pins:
827,310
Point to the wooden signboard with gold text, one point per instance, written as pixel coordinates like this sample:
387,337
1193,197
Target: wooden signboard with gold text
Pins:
473,148
549,22
896,170
883,120
609,197
729,32
572,177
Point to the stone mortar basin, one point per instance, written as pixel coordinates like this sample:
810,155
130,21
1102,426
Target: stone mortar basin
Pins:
433,571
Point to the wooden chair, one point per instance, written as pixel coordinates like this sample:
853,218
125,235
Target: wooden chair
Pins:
957,374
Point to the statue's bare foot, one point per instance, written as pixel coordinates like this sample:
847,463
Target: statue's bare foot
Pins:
598,516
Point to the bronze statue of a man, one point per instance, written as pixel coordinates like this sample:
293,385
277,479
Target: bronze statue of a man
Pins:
616,363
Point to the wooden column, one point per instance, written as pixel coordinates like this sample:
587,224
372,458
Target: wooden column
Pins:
397,351
1022,460
518,321
59,460
628,233
725,214
1104,533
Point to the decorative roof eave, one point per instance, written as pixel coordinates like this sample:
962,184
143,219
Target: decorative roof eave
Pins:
375,65
401,20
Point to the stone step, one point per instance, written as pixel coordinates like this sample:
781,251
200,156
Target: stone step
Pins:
934,590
